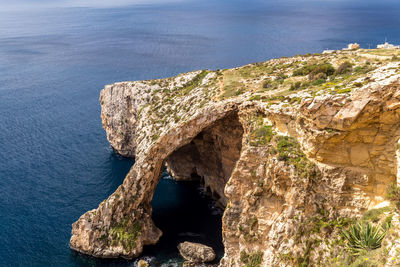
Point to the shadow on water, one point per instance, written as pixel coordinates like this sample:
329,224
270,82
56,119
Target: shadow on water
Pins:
184,213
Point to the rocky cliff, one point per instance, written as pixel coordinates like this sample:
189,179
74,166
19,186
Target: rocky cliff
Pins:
294,149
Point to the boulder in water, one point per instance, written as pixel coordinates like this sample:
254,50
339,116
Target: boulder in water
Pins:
143,263
195,252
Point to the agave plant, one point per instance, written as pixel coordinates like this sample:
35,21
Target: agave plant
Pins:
364,237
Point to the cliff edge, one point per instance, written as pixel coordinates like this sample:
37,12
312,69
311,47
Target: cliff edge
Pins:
294,149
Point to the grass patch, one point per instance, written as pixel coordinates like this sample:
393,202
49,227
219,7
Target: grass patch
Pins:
255,97
251,260
295,86
261,135
343,90
154,137
375,215
315,69
393,194
233,88
195,82
269,84
289,150
364,69
344,68
126,234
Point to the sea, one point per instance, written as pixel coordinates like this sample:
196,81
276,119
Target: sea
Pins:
56,56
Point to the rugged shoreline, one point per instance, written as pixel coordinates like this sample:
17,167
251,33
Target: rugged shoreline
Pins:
293,148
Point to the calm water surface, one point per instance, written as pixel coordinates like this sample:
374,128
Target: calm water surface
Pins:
55,162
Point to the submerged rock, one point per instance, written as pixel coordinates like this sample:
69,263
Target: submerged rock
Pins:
143,263
195,252
188,264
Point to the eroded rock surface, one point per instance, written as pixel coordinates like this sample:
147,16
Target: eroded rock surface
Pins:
142,263
195,252
290,162
211,157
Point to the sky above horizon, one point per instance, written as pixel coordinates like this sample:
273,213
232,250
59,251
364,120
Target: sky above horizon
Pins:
25,4
22,4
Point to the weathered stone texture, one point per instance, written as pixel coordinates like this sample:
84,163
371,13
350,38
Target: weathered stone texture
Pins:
347,144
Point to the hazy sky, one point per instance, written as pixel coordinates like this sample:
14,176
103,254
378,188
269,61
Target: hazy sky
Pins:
7,4
21,4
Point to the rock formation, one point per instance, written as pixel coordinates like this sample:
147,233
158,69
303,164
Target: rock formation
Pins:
195,252
142,263
293,148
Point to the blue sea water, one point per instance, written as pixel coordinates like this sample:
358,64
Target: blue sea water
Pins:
55,161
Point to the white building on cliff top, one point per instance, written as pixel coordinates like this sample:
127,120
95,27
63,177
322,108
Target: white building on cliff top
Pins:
352,46
386,45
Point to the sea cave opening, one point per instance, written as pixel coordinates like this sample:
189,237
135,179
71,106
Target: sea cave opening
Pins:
189,201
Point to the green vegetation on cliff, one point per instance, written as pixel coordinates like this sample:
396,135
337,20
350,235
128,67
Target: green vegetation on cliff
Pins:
393,194
253,259
337,73
363,237
126,234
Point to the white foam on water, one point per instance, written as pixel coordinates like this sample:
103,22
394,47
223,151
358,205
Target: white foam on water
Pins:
170,263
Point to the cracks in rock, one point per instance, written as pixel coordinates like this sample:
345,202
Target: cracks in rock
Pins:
210,157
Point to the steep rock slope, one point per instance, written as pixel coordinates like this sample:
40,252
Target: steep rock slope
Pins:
292,148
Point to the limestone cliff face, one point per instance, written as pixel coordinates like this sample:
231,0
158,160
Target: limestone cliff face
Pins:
210,156
283,155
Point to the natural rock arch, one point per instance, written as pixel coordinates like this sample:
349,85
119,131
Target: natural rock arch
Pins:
350,138
122,224
210,157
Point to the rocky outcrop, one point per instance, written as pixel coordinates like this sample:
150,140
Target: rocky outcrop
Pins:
211,157
290,162
195,252
142,263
